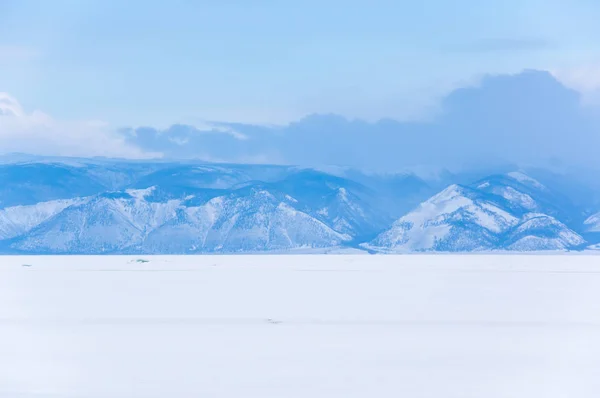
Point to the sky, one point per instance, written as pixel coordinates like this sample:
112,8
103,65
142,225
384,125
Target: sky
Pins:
88,68
259,61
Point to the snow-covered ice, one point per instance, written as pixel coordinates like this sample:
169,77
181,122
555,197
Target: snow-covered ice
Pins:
300,326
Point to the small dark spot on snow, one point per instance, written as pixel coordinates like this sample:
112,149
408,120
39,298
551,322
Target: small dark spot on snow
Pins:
26,265
141,260
273,321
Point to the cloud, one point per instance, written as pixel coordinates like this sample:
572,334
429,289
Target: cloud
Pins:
213,127
40,134
207,141
528,118
585,79
10,106
505,44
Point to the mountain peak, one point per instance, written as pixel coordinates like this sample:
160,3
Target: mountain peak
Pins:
497,212
451,192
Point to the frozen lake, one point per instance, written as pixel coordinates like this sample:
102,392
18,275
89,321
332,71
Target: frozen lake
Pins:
300,326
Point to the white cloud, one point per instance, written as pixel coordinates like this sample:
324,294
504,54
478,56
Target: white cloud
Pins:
10,106
212,126
229,130
584,79
40,134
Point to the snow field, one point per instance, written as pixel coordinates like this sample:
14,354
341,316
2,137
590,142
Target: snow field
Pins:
300,326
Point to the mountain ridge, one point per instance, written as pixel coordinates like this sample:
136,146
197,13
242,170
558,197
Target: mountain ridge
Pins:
115,207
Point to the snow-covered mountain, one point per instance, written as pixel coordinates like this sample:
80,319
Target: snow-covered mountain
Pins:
525,194
17,220
252,220
456,219
103,206
247,221
542,232
347,206
498,213
216,213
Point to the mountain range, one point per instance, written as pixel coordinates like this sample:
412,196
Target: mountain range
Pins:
102,206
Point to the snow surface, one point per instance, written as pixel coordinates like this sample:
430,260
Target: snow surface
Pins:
430,223
592,223
512,195
558,236
525,179
425,326
16,220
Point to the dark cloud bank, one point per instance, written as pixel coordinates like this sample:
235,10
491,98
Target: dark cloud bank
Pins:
529,118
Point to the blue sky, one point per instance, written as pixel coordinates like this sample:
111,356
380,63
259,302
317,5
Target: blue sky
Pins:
158,63
142,79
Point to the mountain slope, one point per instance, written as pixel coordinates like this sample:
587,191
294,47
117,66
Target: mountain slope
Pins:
254,220
525,194
456,219
346,206
497,213
246,220
542,232
32,183
106,223
17,220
